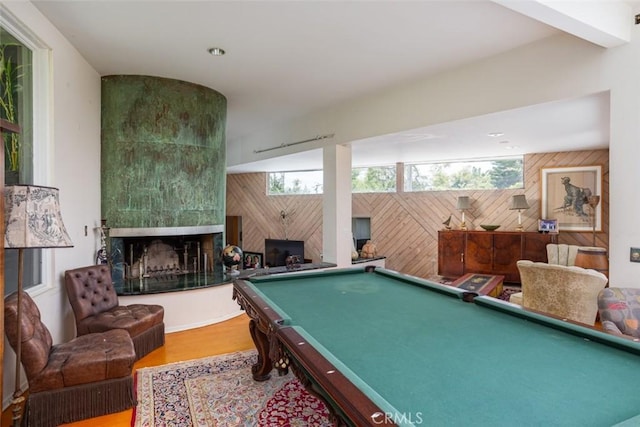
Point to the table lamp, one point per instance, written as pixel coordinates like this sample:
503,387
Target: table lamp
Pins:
32,220
463,204
519,203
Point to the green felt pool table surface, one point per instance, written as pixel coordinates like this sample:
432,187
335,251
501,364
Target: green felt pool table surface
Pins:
419,351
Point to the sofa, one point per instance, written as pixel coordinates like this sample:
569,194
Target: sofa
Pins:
619,310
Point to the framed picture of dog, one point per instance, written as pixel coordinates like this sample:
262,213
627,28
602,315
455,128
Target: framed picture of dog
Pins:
568,195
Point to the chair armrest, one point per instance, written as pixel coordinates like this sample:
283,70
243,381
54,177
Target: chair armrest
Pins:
610,327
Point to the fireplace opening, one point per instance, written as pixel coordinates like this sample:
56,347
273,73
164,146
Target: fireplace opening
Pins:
165,259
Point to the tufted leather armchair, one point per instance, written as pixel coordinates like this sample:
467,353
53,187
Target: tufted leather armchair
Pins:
95,305
568,292
86,377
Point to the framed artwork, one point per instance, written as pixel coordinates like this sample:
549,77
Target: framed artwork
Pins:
548,225
565,193
252,260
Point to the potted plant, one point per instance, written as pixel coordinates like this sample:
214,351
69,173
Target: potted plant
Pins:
10,75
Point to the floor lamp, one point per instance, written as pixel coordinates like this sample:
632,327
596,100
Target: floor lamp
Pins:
32,220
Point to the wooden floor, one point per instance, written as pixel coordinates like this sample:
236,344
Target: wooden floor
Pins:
225,337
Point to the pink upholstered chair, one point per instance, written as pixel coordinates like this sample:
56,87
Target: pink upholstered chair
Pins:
96,309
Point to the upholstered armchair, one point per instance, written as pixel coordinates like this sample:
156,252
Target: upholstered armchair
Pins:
620,310
96,308
86,377
568,292
562,254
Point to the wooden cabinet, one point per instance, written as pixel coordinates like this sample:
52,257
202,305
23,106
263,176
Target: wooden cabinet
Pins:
489,252
451,253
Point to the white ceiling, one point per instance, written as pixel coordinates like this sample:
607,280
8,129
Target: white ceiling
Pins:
289,58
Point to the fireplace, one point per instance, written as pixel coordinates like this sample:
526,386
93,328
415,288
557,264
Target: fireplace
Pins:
163,259
163,182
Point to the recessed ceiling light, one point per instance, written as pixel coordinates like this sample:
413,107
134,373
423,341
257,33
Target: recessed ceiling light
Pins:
216,51
495,134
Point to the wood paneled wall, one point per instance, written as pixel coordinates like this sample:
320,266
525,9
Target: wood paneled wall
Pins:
404,226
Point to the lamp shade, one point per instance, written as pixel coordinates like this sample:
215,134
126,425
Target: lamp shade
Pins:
519,202
463,203
32,218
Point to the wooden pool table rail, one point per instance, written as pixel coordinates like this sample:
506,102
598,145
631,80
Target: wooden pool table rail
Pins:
281,347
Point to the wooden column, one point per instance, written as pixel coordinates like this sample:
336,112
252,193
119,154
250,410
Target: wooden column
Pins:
5,126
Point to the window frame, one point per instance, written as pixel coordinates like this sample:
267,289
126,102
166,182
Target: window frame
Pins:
41,127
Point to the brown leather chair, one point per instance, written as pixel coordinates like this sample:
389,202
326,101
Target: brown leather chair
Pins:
86,377
96,309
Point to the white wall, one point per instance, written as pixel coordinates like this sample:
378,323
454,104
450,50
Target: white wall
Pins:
555,68
74,169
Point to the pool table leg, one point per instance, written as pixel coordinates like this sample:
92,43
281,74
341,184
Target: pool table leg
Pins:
261,370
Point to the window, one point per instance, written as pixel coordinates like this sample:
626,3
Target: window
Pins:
472,175
378,179
16,103
22,57
297,182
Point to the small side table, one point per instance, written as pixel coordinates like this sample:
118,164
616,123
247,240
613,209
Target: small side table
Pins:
482,284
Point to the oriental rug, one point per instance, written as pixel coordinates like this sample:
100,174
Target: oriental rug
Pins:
219,391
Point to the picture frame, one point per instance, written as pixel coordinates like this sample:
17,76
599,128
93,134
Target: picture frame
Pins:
548,226
563,197
252,260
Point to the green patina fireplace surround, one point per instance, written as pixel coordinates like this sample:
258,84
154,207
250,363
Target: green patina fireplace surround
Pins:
163,153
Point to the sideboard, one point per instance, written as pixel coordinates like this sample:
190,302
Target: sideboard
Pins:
489,252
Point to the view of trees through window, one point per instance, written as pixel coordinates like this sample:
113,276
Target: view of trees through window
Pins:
471,175
380,179
296,182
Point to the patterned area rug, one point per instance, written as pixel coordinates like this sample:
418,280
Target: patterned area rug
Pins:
507,291
219,391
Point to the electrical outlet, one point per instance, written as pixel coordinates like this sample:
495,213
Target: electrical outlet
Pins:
635,255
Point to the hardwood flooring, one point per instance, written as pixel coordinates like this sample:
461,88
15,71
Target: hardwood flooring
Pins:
224,337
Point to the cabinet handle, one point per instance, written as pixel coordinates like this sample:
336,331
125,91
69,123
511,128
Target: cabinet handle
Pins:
462,257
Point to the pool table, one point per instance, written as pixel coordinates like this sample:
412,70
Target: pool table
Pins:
383,348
